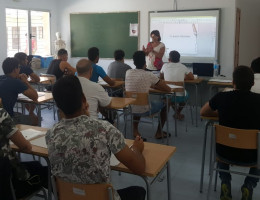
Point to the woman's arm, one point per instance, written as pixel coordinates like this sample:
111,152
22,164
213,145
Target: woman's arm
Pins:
160,53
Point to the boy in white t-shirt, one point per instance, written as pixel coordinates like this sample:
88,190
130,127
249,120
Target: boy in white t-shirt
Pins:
175,71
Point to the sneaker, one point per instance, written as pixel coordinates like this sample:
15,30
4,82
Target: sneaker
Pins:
246,193
225,191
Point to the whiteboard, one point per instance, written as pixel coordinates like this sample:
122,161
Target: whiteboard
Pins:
193,33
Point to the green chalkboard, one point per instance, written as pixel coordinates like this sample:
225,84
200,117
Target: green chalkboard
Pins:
107,31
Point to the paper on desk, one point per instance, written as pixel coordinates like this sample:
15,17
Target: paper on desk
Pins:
40,142
30,134
174,86
220,80
113,160
23,97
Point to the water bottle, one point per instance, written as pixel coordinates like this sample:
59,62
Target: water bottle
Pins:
215,67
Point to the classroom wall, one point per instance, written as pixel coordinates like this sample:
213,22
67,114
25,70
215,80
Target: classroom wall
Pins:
250,31
44,5
144,6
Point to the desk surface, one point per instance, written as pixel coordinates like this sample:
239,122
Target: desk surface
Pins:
41,99
120,102
173,90
216,83
117,84
209,118
156,155
194,81
47,79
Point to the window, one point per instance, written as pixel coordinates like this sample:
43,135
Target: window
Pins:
28,36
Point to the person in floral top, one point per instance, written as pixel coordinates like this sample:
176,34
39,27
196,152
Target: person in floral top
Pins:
80,147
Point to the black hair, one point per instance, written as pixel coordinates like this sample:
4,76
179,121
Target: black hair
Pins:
243,78
174,56
157,33
20,56
119,54
255,65
62,52
139,59
9,65
93,53
67,93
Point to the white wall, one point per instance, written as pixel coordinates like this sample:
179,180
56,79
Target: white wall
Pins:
249,31
44,5
144,6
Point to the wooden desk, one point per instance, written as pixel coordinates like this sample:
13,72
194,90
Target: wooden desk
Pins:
156,156
44,81
210,122
44,97
120,102
119,85
195,83
218,84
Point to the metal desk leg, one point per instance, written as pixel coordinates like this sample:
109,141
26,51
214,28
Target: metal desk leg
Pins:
39,114
203,156
196,103
175,118
148,189
49,179
169,180
167,120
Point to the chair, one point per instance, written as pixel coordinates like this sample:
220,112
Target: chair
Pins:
66,191
236,138
182,84
142,99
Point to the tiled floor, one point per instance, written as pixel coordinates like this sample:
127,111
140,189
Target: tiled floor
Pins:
185,164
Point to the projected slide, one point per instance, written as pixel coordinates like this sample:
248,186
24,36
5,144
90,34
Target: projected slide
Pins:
192,35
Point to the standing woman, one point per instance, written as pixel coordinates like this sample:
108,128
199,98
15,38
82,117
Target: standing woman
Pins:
154,52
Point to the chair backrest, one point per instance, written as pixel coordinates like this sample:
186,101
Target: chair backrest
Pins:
68,191
236,138
142,99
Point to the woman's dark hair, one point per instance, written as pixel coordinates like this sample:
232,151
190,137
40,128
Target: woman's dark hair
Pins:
20,56
93,53
9,65
157,33
67,93
139,59
243,78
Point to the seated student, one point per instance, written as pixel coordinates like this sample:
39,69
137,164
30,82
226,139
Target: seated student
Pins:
24,68
139,80
26,176
60,66
175,71
255,66
12,84
239,108
80,146
95,94
93,56
118,68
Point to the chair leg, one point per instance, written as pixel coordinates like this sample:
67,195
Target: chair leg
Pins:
216,180
210,180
